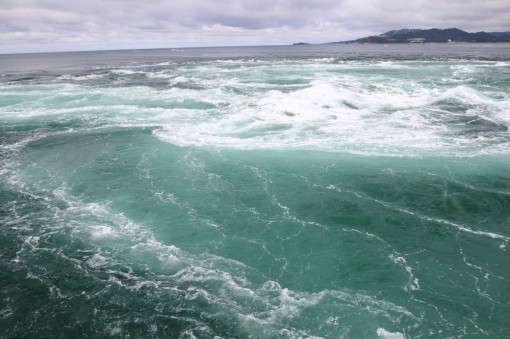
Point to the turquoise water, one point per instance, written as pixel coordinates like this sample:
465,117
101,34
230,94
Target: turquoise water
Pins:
272,192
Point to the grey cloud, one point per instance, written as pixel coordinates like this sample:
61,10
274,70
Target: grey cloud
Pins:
159,21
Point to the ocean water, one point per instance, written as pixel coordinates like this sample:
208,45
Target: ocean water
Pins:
335,191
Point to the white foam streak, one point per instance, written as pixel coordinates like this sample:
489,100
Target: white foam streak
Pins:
306,104
382,333
458,226
334,118
118,244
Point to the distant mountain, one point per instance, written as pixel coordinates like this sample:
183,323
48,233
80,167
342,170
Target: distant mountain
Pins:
499,33
395,32
433,35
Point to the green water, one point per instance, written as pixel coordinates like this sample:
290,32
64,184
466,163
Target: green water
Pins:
264,197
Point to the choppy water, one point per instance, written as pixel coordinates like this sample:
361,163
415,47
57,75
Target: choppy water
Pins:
308,191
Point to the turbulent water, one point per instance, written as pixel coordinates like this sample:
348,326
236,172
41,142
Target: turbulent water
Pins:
336,191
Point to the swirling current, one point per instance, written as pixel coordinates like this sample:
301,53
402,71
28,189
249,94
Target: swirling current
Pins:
336,191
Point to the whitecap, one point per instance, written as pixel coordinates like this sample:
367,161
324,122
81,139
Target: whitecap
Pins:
382,333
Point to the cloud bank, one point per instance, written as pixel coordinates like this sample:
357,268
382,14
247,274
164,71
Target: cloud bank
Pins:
54,25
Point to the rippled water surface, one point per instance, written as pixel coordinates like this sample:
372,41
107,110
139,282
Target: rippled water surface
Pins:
336,191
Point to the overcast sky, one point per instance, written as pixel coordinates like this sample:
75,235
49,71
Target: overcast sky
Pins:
64,25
